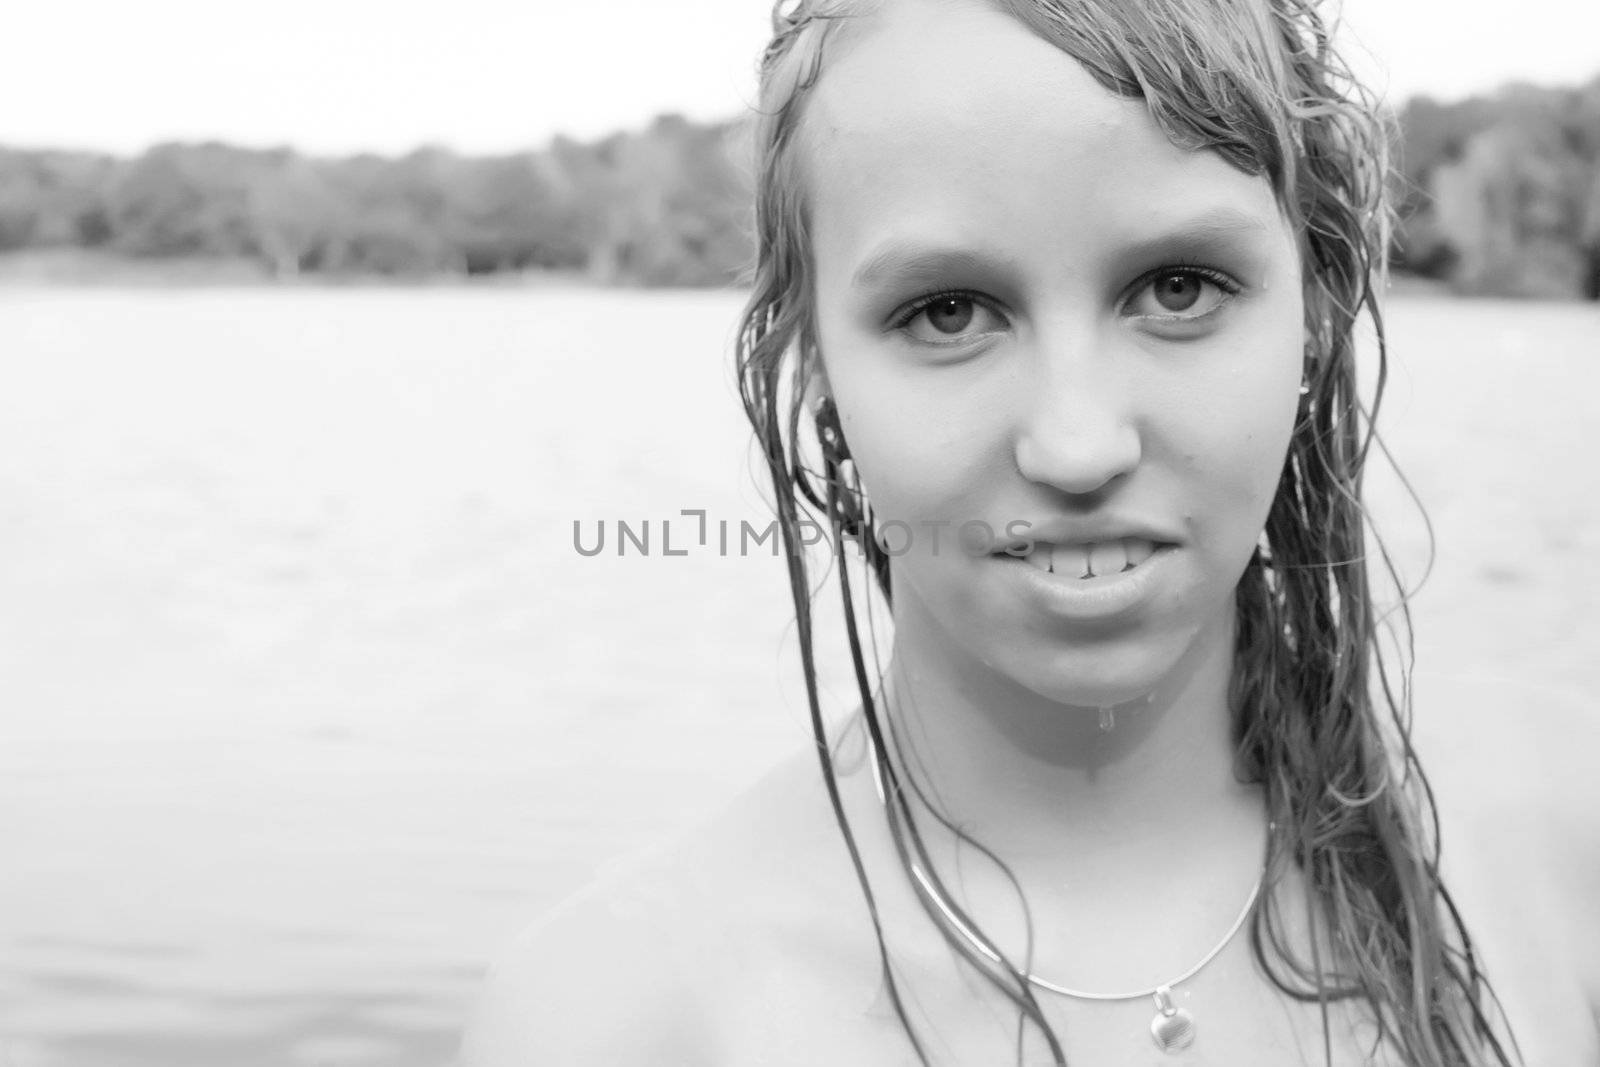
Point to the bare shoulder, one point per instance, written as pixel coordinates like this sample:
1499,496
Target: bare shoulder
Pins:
651,963
1512,766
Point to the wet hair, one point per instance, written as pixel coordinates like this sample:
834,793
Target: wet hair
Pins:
1320,720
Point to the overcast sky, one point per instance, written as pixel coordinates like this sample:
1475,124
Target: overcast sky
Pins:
336,76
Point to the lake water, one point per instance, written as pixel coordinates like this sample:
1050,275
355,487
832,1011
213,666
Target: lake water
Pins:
307,701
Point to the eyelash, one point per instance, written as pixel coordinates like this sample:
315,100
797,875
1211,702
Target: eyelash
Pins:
1215,277
923,303
1210,274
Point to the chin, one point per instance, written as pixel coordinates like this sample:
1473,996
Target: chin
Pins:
1101,676
1095,692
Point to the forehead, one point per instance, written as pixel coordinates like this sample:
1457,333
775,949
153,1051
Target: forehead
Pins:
950,113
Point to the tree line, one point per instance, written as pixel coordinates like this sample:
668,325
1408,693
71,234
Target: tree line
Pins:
1501,192
663,206
1500,195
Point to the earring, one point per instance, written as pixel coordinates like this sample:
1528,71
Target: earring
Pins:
1308,367
839,469
828,428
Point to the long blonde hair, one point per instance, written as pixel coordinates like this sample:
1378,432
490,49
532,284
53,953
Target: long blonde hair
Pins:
1321,723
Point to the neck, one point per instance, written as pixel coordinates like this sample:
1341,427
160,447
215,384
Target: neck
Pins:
1078,812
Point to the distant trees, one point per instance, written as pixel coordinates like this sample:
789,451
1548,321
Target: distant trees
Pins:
1501,195
664,206
183,200
293,214
53,199
678,206
1503,191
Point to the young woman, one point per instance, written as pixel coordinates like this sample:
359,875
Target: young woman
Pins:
1052,324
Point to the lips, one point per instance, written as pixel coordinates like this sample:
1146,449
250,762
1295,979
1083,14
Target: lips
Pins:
1093,560
1097,583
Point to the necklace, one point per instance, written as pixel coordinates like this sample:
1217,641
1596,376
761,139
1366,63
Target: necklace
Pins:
1172,1028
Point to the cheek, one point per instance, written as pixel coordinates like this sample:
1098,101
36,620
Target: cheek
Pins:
1237,440
912,465
919,447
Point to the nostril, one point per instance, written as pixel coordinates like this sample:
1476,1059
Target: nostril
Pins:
1080,460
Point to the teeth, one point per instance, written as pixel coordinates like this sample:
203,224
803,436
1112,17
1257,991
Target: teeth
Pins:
1137,550
1107,557
1089,561
1070,560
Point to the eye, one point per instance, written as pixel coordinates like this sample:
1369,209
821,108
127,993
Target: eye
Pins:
1182,293
948,318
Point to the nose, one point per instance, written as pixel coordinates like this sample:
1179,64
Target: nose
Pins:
1077,432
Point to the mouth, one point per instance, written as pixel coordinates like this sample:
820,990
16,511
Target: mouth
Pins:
1103,583
1086,561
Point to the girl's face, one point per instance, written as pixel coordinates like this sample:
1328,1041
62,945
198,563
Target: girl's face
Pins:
1032,308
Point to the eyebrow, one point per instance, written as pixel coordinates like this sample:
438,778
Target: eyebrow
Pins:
916,262
1220,224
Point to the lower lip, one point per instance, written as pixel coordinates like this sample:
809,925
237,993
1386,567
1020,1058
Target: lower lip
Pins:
1099,598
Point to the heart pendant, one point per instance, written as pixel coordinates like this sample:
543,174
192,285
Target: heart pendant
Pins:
1173,1027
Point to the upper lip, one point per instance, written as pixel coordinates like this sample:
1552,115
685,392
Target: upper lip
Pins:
1078,532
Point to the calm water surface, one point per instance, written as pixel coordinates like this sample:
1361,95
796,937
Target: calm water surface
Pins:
307,701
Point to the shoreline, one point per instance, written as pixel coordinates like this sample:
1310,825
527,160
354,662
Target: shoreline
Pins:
80,270
72,268
76,268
